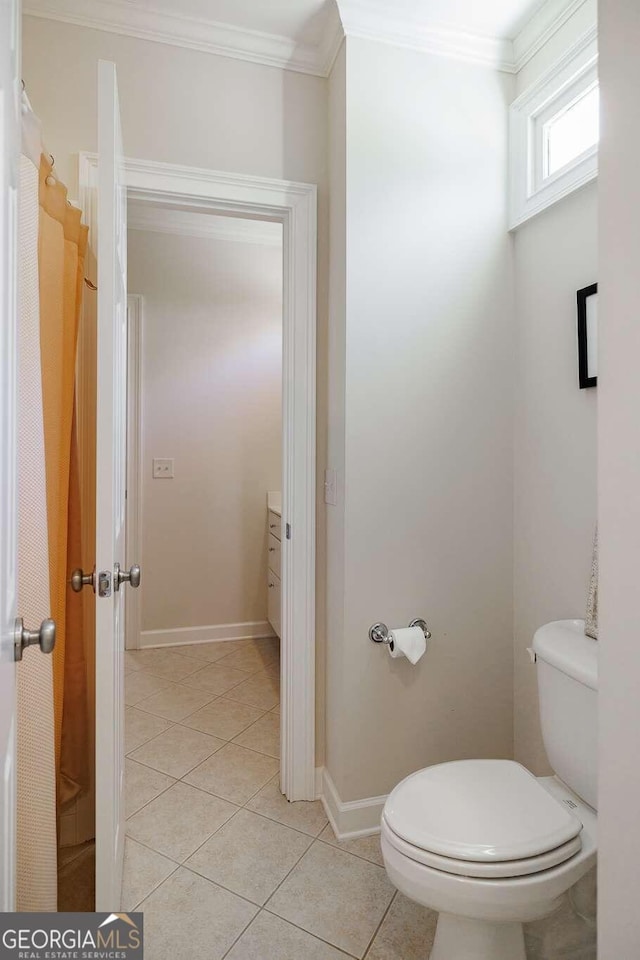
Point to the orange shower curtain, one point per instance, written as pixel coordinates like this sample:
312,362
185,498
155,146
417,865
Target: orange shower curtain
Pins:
61,254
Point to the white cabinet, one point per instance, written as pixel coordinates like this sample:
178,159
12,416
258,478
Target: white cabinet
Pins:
274,586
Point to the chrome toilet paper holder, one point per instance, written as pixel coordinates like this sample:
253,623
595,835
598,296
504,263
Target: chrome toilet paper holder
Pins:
379,632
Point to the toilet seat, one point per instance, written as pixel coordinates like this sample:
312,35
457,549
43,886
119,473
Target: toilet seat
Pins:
496,870
480,818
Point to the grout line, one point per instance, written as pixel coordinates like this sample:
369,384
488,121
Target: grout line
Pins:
262,908
315,936
169,719
179,779
171,723
377,930
157,887
171,685
162,882
286,826
146,804
150,670
273,892
166,856
309,848
244,729
336,846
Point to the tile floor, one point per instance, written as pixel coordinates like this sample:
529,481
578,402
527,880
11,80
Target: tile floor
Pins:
220,863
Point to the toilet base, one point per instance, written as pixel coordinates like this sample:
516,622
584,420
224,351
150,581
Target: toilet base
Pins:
465,939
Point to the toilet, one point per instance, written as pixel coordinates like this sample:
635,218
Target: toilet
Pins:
485,842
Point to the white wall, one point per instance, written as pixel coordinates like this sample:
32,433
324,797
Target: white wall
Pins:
211,399
428,418
335,699
555,442
186,107
555,254
619,482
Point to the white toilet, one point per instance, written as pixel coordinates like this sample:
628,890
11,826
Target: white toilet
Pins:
486,843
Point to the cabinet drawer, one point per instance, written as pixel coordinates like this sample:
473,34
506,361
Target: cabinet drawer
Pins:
275,524
274,601
275,549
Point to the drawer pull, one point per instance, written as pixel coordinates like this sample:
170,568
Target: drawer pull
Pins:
272,526
271,586
272,549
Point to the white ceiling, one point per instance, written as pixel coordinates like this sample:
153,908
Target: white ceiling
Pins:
305,35
489,18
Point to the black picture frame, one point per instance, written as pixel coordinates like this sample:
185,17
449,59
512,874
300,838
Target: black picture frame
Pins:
587,376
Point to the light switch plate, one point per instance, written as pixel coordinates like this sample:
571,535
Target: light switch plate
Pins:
163,468
330,487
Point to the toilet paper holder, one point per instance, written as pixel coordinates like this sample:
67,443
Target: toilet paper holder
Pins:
379,632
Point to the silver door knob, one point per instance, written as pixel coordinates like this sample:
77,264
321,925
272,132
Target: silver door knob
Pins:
131,576
45,637
79,579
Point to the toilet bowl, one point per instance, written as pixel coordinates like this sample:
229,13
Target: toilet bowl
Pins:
485,842
489,847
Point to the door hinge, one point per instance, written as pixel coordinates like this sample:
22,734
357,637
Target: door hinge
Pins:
288,531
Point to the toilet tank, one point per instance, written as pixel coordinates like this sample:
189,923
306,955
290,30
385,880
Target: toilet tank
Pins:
567,667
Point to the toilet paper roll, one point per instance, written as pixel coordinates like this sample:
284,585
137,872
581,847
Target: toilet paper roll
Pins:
409,642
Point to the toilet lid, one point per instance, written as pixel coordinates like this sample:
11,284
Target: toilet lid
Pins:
479,810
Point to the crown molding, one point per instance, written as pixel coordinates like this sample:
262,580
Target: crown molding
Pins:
182,223
545,22
207,36
366,19
374,21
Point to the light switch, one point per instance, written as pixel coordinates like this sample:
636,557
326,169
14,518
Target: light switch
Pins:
163,468
330,487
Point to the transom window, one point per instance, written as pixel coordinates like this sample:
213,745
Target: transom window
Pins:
554,134
573,131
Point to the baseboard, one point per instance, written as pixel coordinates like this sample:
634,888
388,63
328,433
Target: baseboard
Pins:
319,772
217,633
351,818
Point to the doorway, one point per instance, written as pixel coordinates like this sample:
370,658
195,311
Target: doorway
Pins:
204,457
294,206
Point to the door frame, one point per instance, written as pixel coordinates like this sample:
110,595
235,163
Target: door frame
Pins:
9,182
294,205
135,306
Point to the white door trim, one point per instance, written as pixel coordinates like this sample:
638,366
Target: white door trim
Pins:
295,206
9,182
134,464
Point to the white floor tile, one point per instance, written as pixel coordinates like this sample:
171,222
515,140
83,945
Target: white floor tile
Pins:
141,784
263,736
305,815
233,773
270,938
178,821
406,933
190,918
138,685
250,855
224,718
366,847
175,702
336,896
177,750
144,870
140,727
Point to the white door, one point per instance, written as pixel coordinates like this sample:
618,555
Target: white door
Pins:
9,157
110,493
